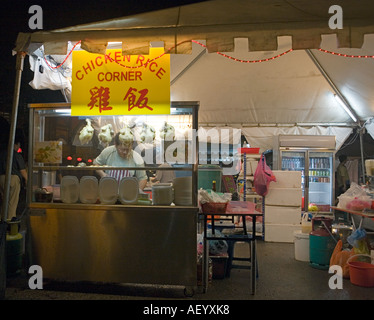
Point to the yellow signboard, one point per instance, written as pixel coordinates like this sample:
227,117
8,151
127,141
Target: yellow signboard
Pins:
113,84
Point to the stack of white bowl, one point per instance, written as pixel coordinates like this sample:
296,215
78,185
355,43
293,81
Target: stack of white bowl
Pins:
69,189
128,190
162,194
88,189
182,191
108,190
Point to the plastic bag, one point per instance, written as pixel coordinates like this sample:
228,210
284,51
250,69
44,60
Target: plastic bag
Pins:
340,257
205,196
355,198
200,241
359,204
361,247
217,247
262,177
357,239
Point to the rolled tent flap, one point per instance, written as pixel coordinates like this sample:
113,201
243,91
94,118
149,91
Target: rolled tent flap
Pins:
94,46
53,47
263,137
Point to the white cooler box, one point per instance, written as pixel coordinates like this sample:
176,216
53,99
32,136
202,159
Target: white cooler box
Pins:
280,232
282,215
284,197
286,179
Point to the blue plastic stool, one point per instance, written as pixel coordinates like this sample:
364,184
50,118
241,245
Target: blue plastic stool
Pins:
231,246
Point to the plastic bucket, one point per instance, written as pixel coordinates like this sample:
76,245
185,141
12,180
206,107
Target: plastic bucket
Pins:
301,246
361,273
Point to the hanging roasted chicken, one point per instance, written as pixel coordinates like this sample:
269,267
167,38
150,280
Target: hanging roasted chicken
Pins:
125,135
147,134
86,133
106,134
167,132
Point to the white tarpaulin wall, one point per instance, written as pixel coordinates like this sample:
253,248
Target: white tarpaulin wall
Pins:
263,137
287,90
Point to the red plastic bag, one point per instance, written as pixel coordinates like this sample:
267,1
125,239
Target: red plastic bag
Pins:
262,177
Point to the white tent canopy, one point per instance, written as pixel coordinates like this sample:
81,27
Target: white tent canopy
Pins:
219,22
294,90
287,90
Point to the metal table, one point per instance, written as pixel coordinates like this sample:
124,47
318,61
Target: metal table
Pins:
234,208
367,216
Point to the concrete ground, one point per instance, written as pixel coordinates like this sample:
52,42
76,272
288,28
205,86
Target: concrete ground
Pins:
281,277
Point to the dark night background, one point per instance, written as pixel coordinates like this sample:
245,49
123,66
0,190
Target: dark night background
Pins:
56,14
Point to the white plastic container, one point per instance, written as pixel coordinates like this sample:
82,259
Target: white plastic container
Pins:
306,222
108,190
69,189
301,246
88,189
128,190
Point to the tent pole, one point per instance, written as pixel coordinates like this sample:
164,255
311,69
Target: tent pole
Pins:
338,93
13,125
332,84
202,52
362,154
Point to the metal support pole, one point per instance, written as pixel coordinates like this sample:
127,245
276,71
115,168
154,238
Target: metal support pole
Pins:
332,84
202,52
13,125
362,154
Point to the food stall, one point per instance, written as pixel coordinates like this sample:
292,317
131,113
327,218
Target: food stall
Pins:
77,240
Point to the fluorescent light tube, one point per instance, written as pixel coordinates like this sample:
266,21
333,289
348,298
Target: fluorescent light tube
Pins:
341,102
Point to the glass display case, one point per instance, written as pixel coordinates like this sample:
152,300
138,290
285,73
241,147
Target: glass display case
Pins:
74,227
62,145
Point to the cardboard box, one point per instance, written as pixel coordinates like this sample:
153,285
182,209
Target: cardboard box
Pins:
282,215
284,197
280,232
286,179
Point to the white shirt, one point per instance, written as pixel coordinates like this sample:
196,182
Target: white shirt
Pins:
109,156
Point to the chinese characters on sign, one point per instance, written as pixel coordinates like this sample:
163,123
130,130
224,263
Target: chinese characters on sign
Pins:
133,101
113,84
99,99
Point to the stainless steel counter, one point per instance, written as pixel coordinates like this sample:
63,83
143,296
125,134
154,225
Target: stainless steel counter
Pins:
115,243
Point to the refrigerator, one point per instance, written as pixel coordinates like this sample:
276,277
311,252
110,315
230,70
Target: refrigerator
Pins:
314,156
